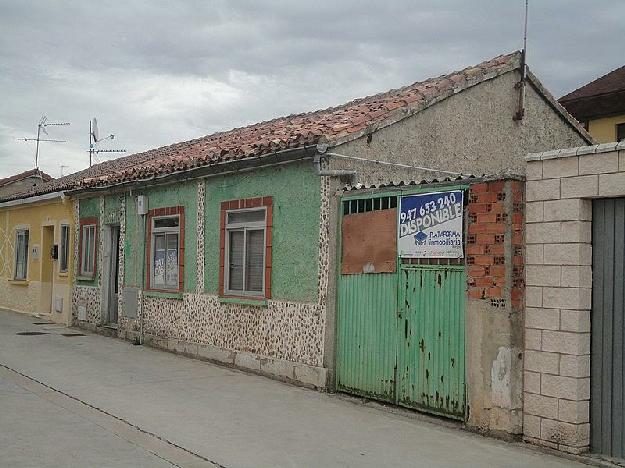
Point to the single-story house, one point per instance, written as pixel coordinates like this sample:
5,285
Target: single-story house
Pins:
228,247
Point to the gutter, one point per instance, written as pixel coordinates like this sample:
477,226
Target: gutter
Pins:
35,199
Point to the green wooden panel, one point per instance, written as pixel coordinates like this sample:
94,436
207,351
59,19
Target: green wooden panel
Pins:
367,335
430,369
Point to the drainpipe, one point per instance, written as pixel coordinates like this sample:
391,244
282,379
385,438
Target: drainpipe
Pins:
321,149
143,261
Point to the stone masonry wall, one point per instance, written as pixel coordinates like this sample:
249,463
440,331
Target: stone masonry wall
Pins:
559,190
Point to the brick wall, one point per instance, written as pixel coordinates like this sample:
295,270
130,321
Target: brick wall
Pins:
495,270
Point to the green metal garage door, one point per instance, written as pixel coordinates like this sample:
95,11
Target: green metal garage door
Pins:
401,337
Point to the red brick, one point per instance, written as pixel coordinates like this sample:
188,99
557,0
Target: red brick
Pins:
486,218
496,249
498,270
475,249
486,197
476,228
482,187
475,293
478,208
497,186
475,271
493,228
517,260
484,260
485,239
497,207
495,292
486,281
517,238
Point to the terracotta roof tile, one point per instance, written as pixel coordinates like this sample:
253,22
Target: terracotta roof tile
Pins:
24,175
332,125
602,97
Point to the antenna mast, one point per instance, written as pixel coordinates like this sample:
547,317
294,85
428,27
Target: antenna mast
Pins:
521,84
94,138
41,127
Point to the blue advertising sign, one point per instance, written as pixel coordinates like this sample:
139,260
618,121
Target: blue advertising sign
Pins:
430,225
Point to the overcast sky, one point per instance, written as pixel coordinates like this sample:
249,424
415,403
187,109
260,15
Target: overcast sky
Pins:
156,72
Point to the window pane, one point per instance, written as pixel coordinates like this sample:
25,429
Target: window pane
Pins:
91,256
166,222
64,247
246,216
235,260
21,255
88,248
255,260
171,268
159,260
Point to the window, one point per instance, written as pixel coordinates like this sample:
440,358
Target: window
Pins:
88,238
165,248
246,254
64,247
21,254
620,132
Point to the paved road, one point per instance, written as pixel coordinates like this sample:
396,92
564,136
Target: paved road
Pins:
96,401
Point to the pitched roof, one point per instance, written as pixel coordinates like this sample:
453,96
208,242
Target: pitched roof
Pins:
24,175
334,125
603,96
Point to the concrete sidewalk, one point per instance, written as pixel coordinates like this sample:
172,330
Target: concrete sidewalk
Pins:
228,417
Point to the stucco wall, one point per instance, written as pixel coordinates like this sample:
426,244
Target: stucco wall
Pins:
283,337
471,132
181,194
604,130
33,296
295,233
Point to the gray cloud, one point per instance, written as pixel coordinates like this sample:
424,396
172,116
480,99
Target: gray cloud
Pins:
159,72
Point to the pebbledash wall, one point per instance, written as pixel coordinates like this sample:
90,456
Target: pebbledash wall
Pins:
284,335
560,187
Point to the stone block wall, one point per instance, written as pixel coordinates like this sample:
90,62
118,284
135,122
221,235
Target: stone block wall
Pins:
559,192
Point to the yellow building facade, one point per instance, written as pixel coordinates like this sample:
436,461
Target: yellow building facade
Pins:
606,129
36,256
600,106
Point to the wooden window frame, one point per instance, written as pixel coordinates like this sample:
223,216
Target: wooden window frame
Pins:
64,249
164,213
26,233
83,223
238,205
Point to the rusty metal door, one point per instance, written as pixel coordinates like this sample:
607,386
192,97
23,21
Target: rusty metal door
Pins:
367,335
430,362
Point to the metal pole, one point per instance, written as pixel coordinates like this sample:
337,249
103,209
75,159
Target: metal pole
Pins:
37,148
90,148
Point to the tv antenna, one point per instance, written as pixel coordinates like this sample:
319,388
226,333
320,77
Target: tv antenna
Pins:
520,113
41,127
94,139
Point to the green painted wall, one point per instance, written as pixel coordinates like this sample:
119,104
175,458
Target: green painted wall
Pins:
111,209
183,194
90,208
296,204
